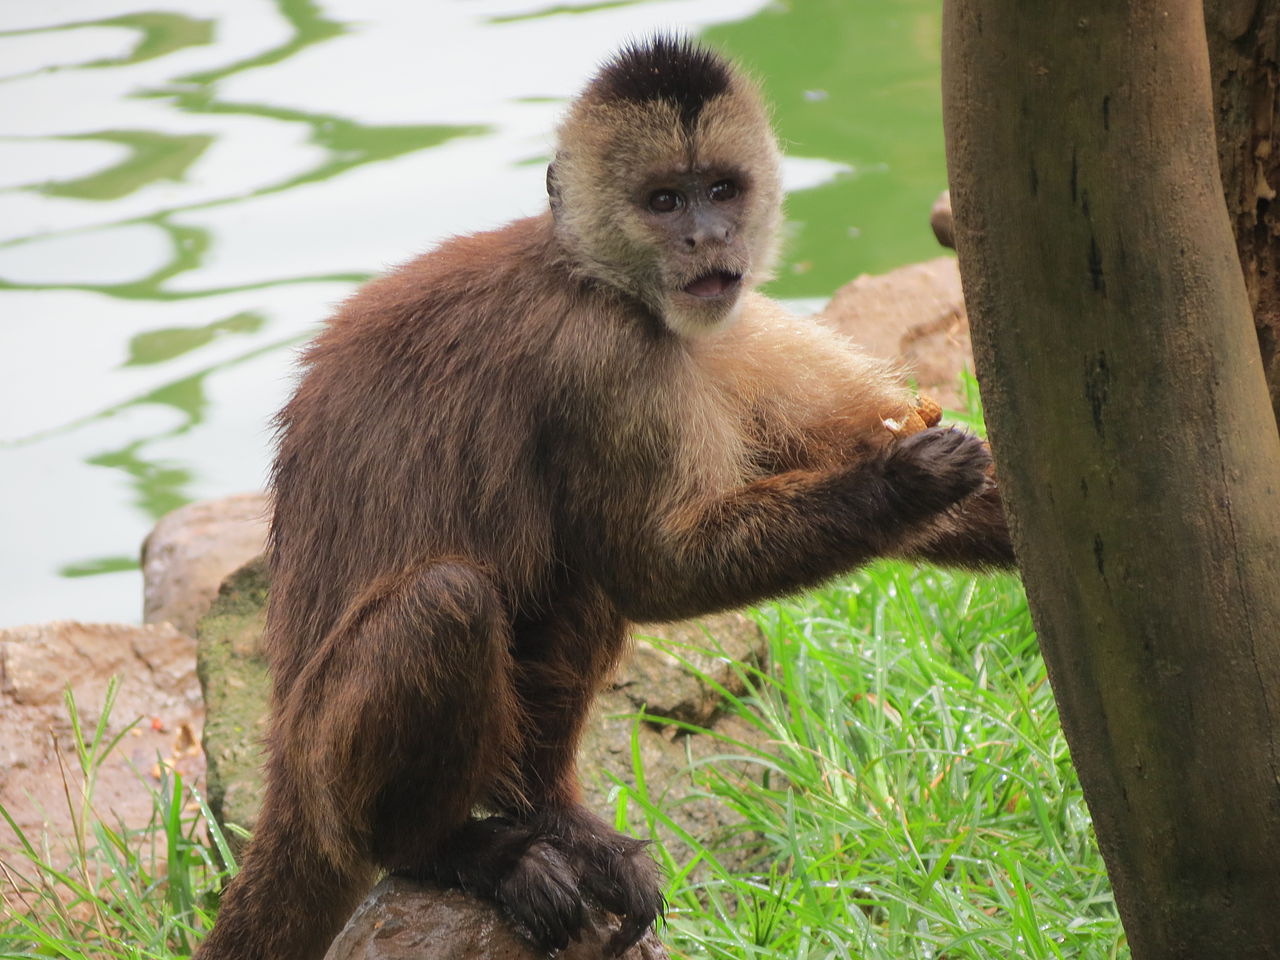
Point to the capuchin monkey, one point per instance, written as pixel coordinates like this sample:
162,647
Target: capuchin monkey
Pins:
507,450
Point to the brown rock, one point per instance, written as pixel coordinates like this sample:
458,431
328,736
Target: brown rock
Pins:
942,221
158,689
192,550
915,313
401,920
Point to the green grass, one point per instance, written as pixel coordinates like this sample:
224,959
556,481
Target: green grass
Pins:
913,799
108,892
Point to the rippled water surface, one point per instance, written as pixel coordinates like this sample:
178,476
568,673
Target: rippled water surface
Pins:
186,188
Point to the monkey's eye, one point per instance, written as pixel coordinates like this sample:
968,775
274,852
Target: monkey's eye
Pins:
723,190
664,201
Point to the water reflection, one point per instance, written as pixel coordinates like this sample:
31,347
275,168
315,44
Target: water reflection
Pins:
185,191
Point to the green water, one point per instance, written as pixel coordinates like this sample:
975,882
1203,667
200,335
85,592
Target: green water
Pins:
870,70
186,191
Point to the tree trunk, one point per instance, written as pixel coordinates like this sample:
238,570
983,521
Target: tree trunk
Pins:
1244,50
1134,442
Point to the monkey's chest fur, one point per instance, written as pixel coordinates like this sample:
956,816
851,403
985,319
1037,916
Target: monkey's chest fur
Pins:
524,422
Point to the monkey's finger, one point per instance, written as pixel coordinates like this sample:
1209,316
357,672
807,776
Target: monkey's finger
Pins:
626,880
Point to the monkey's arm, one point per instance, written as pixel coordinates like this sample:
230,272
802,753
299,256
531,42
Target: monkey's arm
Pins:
974,534
789,531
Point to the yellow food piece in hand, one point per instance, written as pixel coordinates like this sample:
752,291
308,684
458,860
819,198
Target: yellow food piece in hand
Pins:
928,413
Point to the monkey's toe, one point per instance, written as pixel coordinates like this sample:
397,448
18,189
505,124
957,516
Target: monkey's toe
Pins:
615,872
622,878
540,893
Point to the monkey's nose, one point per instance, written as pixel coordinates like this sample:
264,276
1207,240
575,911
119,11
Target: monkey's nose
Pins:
700,238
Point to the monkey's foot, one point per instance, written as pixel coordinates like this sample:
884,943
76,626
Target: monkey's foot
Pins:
525,874
544,872
614,870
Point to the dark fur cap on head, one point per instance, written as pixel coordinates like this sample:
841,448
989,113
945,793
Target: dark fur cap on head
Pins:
664,67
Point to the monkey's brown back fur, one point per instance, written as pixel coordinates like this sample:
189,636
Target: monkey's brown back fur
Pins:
501,453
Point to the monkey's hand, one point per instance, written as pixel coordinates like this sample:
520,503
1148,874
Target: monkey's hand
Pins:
972,533
931,470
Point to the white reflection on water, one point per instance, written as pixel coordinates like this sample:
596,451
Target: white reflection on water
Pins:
25,53
245,155
32,161
146,335
107,256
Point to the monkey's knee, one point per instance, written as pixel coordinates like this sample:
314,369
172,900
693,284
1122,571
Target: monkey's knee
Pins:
406,717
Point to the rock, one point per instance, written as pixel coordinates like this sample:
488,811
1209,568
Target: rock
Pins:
941,220
158,688
401,920
192,549
235,680
915,313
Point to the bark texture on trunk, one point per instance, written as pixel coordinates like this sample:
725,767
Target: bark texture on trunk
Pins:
1244,54
1134,441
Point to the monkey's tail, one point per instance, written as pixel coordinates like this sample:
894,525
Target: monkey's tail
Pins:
291,896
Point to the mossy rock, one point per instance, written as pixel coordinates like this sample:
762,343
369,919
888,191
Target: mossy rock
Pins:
236,683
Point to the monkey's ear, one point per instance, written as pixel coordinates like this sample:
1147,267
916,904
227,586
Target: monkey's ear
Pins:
553,188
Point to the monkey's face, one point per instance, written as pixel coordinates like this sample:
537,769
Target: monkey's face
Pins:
691,221
678,211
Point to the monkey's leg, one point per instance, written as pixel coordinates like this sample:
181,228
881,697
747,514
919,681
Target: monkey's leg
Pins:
402,720
290,897
563,661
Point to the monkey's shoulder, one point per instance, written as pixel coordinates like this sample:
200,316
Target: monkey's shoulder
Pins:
486,298
466,277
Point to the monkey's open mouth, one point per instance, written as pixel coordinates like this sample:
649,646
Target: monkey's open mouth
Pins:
714,284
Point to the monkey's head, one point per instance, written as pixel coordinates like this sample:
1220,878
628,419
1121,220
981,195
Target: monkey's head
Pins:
666,185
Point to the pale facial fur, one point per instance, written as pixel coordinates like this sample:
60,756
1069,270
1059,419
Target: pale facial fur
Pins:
612,156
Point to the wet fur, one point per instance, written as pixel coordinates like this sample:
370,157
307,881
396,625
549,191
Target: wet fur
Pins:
498,456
